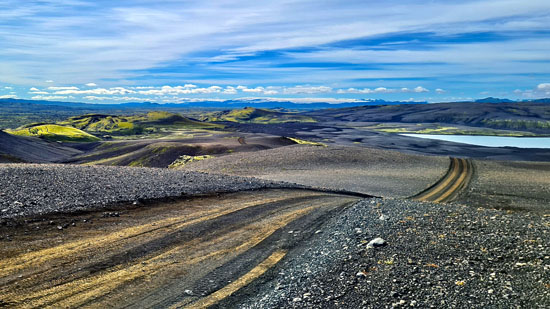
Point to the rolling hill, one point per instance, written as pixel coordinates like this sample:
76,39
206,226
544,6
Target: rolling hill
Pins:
54,132
255,115
130,125
529,116
15,148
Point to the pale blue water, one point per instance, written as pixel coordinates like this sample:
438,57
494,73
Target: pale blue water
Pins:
491,141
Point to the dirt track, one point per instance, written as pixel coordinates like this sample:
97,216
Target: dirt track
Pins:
160,255
447,188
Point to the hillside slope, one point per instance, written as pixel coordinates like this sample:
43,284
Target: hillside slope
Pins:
137,124
29,149
255,115
530,116
54,132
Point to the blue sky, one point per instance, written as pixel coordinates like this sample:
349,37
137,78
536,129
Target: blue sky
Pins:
333,51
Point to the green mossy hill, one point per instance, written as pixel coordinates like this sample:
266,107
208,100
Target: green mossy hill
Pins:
185,159
255,115
131,125
55,132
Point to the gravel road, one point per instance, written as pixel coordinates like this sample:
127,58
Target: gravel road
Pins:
436,256
35,189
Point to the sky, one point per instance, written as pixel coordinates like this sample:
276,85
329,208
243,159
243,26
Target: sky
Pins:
305,51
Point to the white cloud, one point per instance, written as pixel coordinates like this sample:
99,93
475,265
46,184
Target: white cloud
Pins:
49,98
63,88
418,89
540,91
8,88
307,100
186,89
97,91
91,84
39,92
544,87
270,90
34,89
307,90
230,90
440,91
96,98
8,96
49,81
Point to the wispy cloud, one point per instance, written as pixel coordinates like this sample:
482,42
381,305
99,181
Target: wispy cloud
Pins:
460,46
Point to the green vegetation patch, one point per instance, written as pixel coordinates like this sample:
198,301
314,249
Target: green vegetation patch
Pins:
438,130
256,115
185,159
55,132
304,142
517,124
150,123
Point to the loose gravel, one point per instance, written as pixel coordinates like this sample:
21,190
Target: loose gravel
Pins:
360,169
435,256
35,189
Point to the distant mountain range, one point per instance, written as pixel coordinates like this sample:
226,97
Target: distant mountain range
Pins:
241,103
227,104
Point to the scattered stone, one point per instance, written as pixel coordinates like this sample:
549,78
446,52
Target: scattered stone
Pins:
383,217
296,299
361,274
377,242
188,292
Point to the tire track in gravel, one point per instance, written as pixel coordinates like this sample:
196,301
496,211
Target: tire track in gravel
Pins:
449,186
149,256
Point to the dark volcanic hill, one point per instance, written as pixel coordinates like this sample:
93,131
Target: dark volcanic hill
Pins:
29,149
518,115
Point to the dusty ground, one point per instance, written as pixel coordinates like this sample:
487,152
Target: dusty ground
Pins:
510,186
154,255
372,171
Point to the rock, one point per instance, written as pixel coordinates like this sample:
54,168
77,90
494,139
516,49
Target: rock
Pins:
377,242
361,274
296,299
188,292
59,227
384,217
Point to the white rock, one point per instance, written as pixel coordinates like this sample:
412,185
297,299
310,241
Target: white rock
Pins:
377,242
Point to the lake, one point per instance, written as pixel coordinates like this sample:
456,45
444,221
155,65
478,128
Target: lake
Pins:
490,141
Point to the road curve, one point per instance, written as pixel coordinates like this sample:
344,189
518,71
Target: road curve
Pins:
184,254
447,188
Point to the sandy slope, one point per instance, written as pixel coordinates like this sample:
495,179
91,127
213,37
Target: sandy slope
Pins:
372,171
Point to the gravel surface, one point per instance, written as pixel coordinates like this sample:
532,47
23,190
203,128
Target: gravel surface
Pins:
366,170
435,256
510,185
35,189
